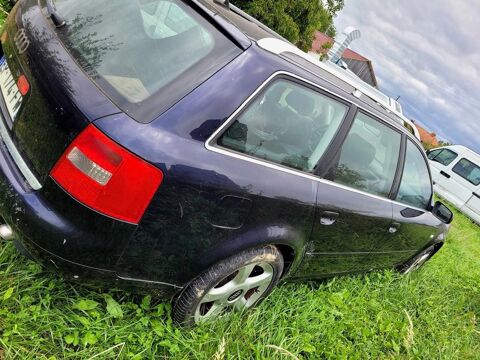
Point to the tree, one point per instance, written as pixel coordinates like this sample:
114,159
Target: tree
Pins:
295,20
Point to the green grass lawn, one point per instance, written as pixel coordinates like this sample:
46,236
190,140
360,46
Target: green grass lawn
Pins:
433,313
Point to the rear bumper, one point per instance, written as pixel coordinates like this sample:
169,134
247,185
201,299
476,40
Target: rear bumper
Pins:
37,226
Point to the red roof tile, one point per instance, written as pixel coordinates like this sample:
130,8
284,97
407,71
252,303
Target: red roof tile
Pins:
426,136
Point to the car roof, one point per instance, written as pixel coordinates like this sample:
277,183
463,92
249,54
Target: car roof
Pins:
251,27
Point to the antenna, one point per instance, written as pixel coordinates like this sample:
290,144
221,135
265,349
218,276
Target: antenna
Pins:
225,3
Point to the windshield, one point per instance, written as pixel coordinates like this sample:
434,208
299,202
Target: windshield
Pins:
135,49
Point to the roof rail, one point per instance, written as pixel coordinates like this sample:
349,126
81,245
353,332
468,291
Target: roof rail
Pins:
278,47
225,3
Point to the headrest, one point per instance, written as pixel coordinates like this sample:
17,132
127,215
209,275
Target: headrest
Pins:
301,103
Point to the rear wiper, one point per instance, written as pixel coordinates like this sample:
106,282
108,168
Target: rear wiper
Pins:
57,19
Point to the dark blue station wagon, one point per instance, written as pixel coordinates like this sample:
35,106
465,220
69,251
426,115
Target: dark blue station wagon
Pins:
184,148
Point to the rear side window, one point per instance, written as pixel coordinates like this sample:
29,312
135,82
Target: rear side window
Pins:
416,186
468,170
135,49
288,124
443,156
369,157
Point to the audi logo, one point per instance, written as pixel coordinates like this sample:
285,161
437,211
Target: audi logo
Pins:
21,41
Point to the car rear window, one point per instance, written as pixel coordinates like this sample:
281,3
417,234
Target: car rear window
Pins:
468,170
144,54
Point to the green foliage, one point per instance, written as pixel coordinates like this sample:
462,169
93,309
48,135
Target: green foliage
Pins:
430,314
427,146
295,20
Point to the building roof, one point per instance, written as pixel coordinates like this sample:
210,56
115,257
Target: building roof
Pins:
357,63
427,136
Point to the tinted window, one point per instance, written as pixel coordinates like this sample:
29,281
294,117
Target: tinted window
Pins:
135,49
369,157
287,124
416,187
433,153
443,156
468,170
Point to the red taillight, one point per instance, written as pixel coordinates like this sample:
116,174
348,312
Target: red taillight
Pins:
106,177
23,85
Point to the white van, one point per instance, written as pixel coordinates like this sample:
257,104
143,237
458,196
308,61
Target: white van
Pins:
456,177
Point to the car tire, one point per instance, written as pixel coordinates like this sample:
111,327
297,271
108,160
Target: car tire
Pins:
417,261
237,283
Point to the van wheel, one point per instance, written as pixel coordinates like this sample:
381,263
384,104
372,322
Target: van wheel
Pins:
234,284
417,261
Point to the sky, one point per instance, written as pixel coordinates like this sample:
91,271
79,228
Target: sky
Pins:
427,52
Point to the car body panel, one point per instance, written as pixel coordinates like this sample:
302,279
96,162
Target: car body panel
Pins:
62,100
211,204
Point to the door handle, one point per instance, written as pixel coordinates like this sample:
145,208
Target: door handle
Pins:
476,195
394,227
445,174
329,218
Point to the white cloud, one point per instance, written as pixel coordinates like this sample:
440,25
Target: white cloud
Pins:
427,52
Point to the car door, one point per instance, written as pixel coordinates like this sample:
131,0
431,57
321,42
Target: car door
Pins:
472,207
353,209
440,160
469,174
414,226
466,176
448,183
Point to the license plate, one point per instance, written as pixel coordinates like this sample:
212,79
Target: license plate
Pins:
11,94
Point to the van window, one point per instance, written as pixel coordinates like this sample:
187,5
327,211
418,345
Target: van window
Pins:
432,153
443,156
468,170
416,186
288,124
369,157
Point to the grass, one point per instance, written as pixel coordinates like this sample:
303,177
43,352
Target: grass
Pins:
430,314
433,313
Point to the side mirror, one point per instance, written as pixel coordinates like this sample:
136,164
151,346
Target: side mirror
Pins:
442,212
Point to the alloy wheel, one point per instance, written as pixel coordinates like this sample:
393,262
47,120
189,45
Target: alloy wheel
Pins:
417,263
238,291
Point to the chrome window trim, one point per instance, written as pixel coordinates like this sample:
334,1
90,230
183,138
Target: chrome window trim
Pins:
211,146
17,158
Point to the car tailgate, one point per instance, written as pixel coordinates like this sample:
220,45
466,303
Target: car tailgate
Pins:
59,100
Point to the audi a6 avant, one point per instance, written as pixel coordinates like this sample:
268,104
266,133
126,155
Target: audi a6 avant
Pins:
182,147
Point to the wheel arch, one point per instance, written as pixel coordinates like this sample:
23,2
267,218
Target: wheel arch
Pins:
289,241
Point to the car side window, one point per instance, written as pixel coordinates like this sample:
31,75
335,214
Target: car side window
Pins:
415,187
443,156
369,157
468,170
433,153
288,124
